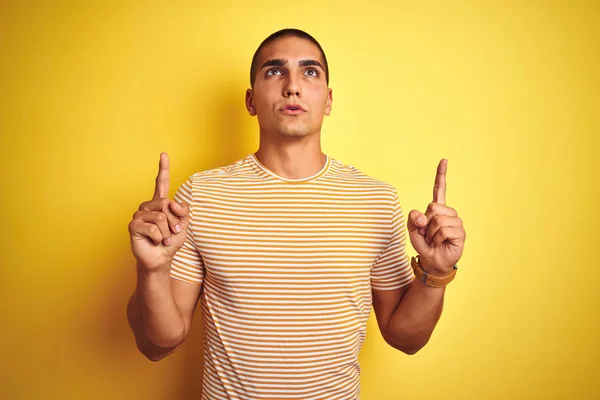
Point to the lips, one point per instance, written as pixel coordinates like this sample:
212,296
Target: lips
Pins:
292,109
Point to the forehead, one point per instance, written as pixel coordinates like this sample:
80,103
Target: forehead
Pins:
291,48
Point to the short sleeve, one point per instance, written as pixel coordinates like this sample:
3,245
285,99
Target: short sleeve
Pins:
187,264
392,270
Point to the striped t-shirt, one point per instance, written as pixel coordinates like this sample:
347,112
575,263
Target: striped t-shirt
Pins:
287,268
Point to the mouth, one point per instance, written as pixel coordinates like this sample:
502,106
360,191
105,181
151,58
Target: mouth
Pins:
292,109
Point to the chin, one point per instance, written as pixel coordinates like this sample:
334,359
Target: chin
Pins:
293,134
294,131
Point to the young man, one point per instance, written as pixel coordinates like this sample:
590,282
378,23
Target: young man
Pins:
288,249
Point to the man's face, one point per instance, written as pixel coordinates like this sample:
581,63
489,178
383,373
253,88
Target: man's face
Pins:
290,95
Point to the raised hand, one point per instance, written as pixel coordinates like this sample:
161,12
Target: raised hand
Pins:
158,229
438,236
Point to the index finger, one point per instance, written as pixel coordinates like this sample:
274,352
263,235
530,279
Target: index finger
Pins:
439,188
161,190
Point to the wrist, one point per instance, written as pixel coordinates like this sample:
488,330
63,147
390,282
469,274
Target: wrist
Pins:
157,272
432,276
434,270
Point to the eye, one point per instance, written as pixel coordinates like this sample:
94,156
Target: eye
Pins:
268,73
314,72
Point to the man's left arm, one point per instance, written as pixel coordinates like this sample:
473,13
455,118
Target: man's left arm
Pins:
407,316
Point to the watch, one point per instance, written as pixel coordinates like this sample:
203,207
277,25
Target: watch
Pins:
431,280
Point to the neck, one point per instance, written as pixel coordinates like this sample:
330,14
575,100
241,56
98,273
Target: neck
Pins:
296,159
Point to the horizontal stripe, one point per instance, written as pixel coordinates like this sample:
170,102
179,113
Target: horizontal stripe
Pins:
288,268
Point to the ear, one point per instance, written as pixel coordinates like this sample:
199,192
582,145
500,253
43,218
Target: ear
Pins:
250,102
329,101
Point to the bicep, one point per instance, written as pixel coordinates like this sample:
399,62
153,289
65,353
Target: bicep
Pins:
385,303
186,296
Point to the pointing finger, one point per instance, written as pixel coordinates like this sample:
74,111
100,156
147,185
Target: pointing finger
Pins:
439,188
161,190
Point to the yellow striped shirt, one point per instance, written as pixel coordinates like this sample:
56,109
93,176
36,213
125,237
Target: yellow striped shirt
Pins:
287,268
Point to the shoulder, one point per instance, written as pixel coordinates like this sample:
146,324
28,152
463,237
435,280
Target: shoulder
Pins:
240,169
354,176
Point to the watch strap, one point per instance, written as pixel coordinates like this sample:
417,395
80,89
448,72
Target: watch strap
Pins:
431,280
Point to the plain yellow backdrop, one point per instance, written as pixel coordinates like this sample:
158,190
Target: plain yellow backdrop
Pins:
508,92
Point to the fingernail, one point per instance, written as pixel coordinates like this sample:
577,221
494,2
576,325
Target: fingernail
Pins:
420,220
168,241
177,228
422,231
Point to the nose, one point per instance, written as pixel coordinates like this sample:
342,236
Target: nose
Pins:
292,87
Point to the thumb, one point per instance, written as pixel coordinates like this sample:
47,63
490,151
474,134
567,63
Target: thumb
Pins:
417,223
181,210
416,220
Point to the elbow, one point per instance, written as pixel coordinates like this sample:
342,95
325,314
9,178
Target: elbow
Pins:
154,357
410,352
408,349
147,351
155,353
151,354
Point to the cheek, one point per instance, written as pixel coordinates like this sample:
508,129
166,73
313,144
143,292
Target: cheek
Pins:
320,96
262,106
319,102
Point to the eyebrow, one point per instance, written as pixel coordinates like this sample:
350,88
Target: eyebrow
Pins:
280,62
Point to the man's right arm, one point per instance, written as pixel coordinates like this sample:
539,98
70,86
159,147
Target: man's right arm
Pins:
161,308
154,317
160,313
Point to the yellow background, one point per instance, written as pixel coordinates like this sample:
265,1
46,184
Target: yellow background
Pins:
507,91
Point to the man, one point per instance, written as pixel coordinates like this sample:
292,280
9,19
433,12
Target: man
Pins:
288,250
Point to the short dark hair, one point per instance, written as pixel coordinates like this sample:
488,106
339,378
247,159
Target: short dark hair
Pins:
283,33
